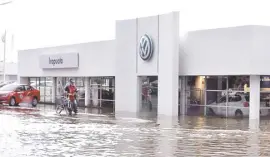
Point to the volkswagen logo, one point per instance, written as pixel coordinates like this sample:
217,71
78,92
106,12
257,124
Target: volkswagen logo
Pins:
146,47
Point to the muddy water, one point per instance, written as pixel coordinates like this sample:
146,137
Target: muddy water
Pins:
44,133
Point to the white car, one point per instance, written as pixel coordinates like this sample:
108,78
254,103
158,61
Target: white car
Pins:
237,106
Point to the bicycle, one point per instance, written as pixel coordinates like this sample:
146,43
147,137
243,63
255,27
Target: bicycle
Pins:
67,105
71,103
63,105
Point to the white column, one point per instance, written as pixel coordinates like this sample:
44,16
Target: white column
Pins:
54,87
94,91
168,68
126,100
254,109
253,141
87,91
183,96
58,86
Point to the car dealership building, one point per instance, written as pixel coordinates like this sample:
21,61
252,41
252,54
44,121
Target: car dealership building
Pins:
217,72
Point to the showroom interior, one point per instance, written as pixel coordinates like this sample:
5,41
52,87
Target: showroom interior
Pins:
101,89
223,96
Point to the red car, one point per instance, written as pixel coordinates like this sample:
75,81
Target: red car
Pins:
13,94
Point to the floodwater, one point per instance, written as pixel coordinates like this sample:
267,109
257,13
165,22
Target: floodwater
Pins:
43,133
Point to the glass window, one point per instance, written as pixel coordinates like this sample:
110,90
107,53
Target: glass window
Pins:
33,82
216,82
265,84
79,82
20,88
28,87
222,99
41,88
238,83
48,89
211,95
235,98
265,96
42,84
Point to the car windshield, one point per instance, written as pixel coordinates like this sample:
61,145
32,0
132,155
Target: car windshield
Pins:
9,87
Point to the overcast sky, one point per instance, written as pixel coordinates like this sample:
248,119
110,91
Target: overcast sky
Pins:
42,23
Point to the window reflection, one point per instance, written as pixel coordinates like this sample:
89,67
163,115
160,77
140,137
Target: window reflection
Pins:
265,96
217,95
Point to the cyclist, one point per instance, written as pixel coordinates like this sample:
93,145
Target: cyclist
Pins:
71,90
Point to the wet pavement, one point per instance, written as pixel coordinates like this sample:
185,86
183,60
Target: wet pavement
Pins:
41,132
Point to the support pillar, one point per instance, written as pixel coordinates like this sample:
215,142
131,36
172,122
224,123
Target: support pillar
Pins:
168,65
183,95
54,87
254,108
87,91
94,91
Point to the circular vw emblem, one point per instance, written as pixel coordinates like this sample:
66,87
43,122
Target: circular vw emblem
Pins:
146,47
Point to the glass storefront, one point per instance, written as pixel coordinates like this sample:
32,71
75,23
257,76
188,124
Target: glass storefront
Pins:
102,89
265,96
149,94
222,96
44,85
79,82
102,92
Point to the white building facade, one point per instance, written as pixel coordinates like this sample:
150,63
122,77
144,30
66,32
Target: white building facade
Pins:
10,73
220,72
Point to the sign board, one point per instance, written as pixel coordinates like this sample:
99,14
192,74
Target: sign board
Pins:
59,61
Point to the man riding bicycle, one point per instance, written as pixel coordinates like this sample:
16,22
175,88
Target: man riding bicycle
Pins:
71,90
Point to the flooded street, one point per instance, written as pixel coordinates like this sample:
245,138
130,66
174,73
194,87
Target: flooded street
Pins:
44,133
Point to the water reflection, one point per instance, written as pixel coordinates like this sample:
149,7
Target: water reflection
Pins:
48,134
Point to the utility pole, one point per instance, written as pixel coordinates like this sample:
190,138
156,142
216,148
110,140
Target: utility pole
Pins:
4,40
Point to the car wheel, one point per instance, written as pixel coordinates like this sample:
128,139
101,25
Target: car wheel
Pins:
238,114
34,102
12,102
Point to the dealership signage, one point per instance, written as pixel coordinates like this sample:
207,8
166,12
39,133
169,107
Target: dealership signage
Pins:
146,47
56,61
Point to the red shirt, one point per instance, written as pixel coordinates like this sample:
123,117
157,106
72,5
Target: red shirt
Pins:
145,91
72,90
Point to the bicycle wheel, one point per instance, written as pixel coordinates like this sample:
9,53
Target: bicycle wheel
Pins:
59,109
66,109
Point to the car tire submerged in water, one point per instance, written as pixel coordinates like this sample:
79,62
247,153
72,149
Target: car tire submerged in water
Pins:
12,102
238,114
34,102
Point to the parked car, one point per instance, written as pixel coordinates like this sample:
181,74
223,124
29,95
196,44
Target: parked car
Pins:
13,94
154,88
237,106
